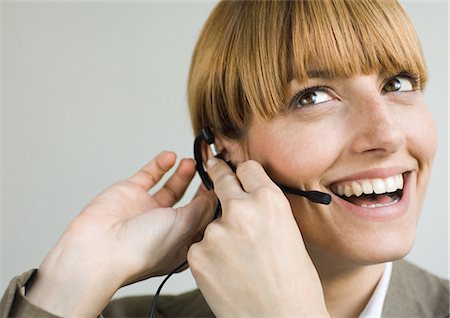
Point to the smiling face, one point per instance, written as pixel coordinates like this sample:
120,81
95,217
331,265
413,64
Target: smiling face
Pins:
326,95
357,138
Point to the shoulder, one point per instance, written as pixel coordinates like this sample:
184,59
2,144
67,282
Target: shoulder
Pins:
189,304
414,292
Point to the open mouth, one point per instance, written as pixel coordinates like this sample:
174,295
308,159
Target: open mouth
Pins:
371,193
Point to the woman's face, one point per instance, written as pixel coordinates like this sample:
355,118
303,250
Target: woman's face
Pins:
347,137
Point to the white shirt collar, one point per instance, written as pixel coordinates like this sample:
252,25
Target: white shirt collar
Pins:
375,305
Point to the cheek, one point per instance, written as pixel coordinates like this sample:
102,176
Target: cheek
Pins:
295,153
421,142
421,136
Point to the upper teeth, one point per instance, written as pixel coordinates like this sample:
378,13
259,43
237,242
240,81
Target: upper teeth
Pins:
369,186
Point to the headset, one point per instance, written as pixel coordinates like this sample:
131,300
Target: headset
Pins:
207,136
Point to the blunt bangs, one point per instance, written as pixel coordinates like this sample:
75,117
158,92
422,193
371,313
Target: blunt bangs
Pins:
249,51
345,38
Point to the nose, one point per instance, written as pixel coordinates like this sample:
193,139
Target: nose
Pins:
377,129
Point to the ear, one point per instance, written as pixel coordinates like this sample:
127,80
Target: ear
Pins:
231,149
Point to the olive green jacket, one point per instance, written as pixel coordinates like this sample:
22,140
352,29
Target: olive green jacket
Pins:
412,292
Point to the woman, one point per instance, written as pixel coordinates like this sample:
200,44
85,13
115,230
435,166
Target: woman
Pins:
314,95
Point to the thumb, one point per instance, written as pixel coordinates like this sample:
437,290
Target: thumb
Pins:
196,215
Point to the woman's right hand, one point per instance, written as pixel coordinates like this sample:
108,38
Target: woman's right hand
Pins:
122,236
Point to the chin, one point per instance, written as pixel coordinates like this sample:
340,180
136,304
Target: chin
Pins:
368,250
382,252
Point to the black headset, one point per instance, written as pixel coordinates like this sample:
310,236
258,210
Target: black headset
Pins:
206,135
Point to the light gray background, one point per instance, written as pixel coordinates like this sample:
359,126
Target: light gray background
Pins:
91,92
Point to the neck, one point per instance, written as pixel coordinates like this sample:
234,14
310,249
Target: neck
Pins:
347,287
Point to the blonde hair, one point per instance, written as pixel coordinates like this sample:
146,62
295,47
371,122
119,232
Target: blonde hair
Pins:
248,52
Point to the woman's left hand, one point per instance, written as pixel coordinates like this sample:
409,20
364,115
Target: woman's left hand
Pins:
252,260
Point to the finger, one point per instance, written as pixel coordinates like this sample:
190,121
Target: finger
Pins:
153,171
196,215
226,184
173,190
201,191
252,175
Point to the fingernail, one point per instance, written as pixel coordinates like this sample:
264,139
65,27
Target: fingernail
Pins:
211,162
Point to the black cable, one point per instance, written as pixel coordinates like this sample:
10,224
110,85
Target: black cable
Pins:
154,305
156,296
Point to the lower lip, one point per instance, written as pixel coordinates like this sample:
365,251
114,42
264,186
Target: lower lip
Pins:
384,213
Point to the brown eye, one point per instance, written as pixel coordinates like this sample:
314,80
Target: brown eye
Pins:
308,99
312,97
398,84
